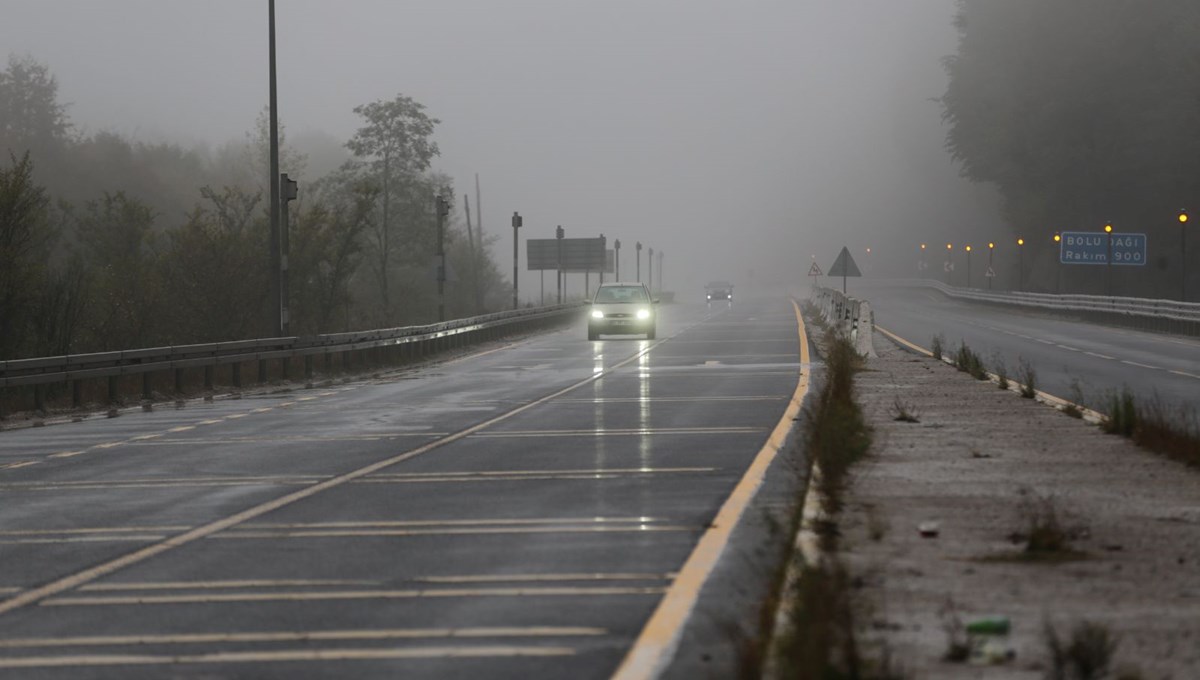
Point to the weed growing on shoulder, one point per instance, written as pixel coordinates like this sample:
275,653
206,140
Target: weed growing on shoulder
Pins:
969,362
1028,378
1122,414
1001,371
1086,656
937,346
903,412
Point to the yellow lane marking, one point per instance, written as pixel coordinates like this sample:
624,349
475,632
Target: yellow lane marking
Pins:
77,579
211,585
107,445
302,636
453,522
494,578
336,654
641,400
542,474
65,454
306,398
182,428
18,464
314,596
656,644
1186,374
902,341
618,432
462,531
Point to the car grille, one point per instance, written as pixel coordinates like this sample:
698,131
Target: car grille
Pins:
617,315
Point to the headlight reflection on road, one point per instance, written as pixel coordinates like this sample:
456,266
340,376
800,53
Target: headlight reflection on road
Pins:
644,405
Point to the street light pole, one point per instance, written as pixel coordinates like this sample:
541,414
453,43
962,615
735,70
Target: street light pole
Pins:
516,224
968,266
1183,218
1108,259
650,272
1020,264
287,187
1058,264
277,323
443,209
991,273
617,259
558,234
660,272
638,248
949,261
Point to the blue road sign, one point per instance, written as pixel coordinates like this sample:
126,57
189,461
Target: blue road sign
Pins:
1091,247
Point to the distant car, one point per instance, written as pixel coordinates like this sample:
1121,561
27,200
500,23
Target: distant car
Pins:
622,309
719,290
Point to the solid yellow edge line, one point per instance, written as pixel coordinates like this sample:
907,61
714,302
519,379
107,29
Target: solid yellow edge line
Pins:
656,644
1053,400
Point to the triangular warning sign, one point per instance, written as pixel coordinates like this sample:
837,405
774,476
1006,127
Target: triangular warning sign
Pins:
844,265
814,270
990,273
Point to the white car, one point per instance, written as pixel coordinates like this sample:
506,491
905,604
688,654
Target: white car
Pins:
622,309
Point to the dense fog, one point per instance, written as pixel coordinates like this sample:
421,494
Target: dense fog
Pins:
741,140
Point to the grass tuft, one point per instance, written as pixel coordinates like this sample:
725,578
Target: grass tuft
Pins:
937,346
903,412
1086,657
1028,378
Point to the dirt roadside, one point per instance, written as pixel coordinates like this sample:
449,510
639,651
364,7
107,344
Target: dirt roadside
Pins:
975,459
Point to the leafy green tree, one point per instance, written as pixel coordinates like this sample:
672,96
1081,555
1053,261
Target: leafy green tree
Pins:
31,118
214,279
396,146
26,243
1080,112
116,236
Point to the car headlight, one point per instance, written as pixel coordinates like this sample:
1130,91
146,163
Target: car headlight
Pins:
597,314
709,297
643,313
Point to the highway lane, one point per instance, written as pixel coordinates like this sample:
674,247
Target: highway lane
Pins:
1063,351
518,512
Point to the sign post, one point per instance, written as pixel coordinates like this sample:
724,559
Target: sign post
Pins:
844,266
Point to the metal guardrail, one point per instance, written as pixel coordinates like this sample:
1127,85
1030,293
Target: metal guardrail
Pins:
1148,313
419,339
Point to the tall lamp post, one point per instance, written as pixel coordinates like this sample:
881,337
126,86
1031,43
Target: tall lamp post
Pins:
921,263
650,271
617,259
1108,259
1058,263
991,273
660,272
1183,218
638,248
968,249
558,234
443,210
516,224
1020,264
277,324
949,261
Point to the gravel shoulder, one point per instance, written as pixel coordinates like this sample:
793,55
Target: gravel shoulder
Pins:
977,456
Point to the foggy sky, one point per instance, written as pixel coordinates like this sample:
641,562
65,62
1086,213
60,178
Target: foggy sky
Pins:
734,136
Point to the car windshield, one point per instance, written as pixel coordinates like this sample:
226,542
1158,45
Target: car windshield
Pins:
621,294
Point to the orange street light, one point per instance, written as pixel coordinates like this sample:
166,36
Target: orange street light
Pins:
1183,217
1057,237
1020,264
1108,228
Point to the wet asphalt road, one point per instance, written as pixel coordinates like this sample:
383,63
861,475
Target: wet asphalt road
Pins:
514,513
1063,352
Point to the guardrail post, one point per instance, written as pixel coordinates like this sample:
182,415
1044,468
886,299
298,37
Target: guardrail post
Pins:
328,362
112,389
39,398
76,393
308,367
146,392
285,365
208,378
262,371
236,374
179,381
345,360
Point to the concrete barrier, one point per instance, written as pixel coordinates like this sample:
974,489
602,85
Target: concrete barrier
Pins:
847,315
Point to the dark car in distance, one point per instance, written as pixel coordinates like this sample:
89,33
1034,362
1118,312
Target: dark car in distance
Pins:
717,291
